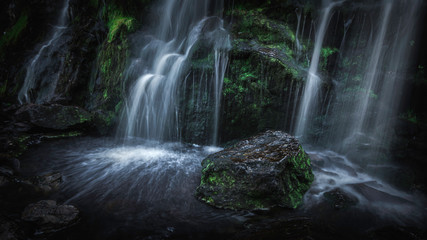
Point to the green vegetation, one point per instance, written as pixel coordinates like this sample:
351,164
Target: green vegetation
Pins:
112,59
254,90
116,22
326,52
301,175
12,34
409,116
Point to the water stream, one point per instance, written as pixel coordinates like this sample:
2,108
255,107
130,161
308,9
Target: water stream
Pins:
152,109
357,114
42,71
311,89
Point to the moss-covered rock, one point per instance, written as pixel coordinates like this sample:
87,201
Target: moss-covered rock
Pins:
270,169
54,116
264,77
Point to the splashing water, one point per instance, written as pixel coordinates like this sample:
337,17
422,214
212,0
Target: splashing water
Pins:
152,109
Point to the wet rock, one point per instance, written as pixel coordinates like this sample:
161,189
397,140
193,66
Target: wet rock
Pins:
270,169
53,116
374,195
46,183
47,216
340,199
6,171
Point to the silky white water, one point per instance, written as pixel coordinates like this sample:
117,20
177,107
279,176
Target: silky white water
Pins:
152,108
313,82
42,71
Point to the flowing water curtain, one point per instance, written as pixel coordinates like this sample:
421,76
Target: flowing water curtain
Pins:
152,108
370,79
43,70
312,87
367,81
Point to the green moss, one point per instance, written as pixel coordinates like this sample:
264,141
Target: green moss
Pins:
64,135
358,91
203,63
254,204
11,35
410,116
221,179
300,175
118,107
116,22
326,52
105,93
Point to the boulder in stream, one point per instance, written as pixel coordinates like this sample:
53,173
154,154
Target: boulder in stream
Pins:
270,169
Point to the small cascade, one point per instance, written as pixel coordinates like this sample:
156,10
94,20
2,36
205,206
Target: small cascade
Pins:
42,71
221,60
371,73
310,96
297,42
152,109
369,79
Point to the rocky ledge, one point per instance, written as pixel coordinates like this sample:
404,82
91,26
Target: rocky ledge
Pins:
270,169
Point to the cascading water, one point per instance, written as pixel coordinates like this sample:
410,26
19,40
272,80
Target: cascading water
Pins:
369,80
152,109
311,89
42,71
358,113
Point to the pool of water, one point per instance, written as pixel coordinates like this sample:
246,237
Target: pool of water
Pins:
145,190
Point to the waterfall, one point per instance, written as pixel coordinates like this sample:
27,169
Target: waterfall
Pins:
369,81
311,89
298,46
221,60
152,108
42,71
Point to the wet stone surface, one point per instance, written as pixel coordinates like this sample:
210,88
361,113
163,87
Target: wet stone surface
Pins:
270,169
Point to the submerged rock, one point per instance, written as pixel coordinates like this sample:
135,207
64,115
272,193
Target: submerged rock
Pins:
47,216
47,182
270,169
340,199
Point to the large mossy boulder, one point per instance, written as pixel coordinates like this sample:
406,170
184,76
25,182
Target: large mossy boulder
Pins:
270,169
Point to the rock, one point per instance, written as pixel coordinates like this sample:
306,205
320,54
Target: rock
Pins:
374,195
46,183
53,116
49,181
47,216
6,171
270,169
339,199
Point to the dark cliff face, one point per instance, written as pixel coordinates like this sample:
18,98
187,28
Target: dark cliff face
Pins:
263,80
24,24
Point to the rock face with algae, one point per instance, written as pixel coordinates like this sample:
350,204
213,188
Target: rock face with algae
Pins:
270,169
